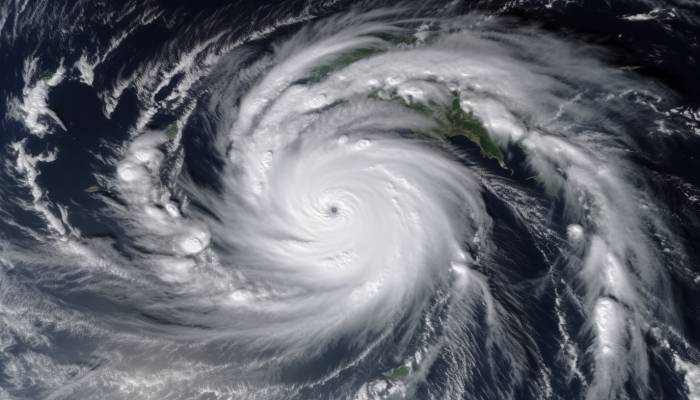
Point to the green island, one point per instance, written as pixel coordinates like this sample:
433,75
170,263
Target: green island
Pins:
396,374
171,131
46,76
450,119
346,58
342,60
456,121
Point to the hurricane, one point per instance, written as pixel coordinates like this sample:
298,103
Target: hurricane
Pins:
361,200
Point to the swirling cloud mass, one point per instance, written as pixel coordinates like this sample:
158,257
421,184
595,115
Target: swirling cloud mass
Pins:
372,204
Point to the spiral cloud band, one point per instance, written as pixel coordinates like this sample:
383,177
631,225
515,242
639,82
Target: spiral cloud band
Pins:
399,206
